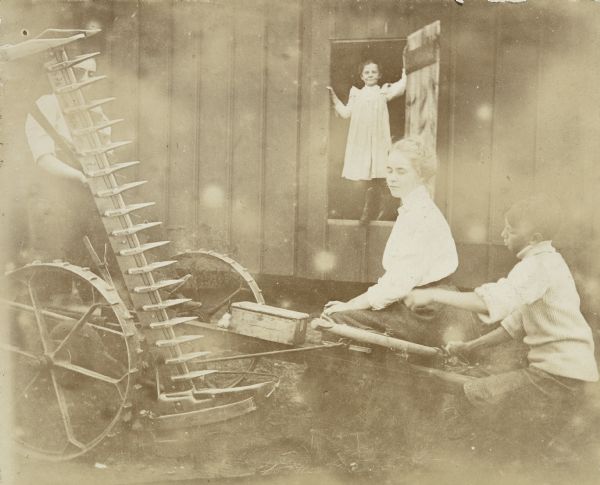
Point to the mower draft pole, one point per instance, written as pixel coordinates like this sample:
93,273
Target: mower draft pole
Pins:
365,336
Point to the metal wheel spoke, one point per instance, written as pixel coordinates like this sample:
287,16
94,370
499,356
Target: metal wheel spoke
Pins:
24,391
18,351
64,412
30,309
107,330
217,282
44,337
76,327
87,372
74,349
225,300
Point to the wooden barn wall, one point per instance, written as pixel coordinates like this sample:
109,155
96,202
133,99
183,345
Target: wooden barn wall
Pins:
522,121
214,96
516,115
227,105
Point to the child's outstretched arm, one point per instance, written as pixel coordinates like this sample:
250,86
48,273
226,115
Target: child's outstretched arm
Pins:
341,109
396,89
467,301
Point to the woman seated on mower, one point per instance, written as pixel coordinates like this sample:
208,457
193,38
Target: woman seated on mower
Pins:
420,252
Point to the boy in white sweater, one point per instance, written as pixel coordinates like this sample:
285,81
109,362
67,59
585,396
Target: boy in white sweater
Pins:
537,302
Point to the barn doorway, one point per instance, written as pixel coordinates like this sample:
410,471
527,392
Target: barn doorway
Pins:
345,197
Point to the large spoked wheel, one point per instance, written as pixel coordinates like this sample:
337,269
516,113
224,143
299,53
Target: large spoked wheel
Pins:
71,349
215,281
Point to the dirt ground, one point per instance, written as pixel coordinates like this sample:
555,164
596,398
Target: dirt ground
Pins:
288,441
323,429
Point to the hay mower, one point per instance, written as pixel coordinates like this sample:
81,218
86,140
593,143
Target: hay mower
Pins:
81,347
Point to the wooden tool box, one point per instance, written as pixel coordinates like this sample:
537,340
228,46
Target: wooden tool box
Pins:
268,323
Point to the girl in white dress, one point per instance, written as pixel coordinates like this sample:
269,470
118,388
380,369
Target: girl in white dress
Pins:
369,138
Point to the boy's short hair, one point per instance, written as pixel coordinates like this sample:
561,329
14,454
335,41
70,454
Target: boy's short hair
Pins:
541,211
422,156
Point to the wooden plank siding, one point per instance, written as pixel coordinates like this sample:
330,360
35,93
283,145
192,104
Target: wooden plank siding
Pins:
124,52
446,92
227,103
347,243
231,126
568,152
470,151
213,153
183,118
303,253
312,242
587,266
281,137
378,234
513,128
154,101
248,134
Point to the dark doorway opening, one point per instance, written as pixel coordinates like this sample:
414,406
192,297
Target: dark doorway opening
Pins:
346,197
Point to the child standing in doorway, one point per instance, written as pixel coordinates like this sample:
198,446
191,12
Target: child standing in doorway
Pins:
369,138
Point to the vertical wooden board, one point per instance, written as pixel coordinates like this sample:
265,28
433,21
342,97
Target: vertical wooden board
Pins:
247,133
18,16
153,130
515,105
397,22
581,230
281,143
567,157
348,246
351,19
503,261
125,55
315,77
472,265
590,123
213,154
471,141
302,242
556,118
183,125
422,88
445,86
422,13
123,39
379,14
567,125
378,234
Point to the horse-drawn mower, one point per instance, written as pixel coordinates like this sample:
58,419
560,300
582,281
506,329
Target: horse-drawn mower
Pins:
81,344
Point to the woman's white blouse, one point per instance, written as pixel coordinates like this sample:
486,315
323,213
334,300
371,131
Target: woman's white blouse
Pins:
419,251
